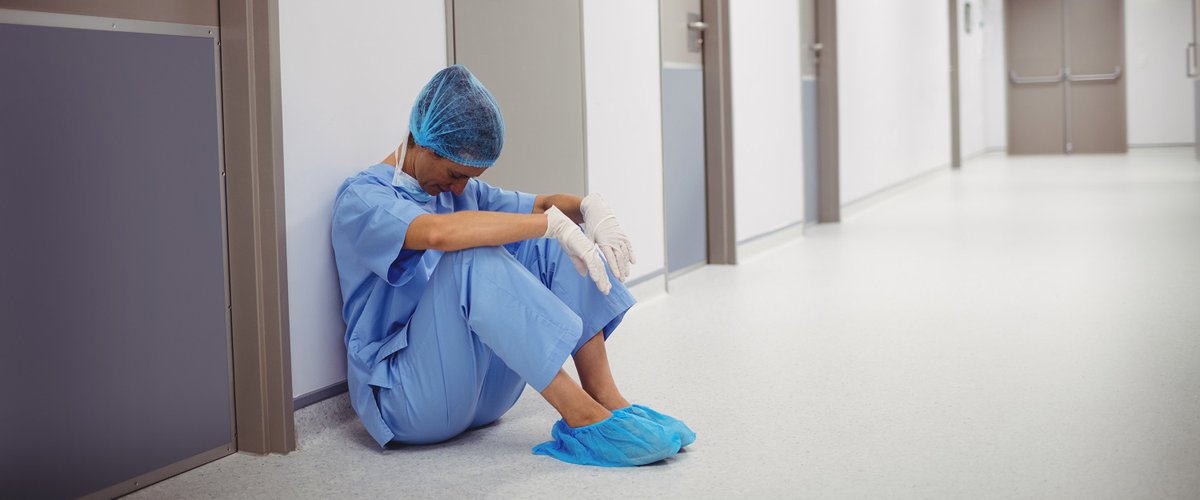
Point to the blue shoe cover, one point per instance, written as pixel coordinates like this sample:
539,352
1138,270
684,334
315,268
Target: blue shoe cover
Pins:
678,428
621,440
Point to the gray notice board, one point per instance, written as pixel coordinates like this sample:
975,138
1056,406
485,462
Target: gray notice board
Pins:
115,357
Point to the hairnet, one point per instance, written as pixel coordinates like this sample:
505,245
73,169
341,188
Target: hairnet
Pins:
457,118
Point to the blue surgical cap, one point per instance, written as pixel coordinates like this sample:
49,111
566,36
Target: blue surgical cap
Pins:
457,118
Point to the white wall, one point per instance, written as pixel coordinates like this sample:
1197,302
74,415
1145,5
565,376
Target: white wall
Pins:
995,79
971,90
624,120
1158,92
768,159
894,92
349,73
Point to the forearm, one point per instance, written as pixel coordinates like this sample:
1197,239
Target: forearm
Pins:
568,203
470,228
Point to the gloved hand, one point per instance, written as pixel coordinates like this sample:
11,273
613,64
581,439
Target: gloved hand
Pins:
602,229
578,247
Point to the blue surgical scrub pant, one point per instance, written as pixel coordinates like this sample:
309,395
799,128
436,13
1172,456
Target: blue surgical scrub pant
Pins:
490,320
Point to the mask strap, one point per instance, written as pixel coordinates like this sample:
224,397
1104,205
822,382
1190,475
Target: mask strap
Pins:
400,151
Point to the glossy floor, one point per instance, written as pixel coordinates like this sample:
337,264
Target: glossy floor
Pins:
1023,328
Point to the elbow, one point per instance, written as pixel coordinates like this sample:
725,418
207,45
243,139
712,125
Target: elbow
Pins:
437,239
445,240
431,232
541,204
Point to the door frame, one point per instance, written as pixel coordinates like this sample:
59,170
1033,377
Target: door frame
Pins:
1192,62
262,361
829,172
718,134
955,110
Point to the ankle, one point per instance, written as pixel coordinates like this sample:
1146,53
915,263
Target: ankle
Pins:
573,402
586,416
616,403
611,399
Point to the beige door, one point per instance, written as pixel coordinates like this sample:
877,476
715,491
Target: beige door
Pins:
1066,86
529,54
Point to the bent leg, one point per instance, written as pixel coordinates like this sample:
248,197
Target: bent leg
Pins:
600,314
545,259
528,326
509,311
591,361
500,391
483,327
444,381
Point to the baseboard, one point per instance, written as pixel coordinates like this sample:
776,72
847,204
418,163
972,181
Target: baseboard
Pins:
1163,145
757,245
981,152
859,204
319,395
680,272
648,287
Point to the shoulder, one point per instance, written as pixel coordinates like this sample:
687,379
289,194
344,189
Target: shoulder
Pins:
474,185
375,175
471,194
369,183
478,186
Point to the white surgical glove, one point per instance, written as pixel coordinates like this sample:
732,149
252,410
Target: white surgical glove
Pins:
578,247
602,229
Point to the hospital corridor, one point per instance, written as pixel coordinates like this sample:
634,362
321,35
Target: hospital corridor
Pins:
1024,328
683,249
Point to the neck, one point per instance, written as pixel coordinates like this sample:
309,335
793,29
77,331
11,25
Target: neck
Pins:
406,161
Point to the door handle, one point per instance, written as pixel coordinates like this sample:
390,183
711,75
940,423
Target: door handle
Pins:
695,32
1012,75
1096,77
1191,59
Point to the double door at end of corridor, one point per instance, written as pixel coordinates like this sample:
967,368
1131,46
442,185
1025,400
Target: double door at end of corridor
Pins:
1066,85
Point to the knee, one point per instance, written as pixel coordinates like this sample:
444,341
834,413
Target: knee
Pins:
541,251
617,287
460,263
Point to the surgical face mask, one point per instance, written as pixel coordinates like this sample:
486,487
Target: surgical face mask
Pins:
405,182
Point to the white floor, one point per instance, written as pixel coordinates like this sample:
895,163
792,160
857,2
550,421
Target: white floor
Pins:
1024,328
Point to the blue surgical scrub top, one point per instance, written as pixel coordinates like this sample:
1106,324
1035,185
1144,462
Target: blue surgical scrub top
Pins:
381,281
